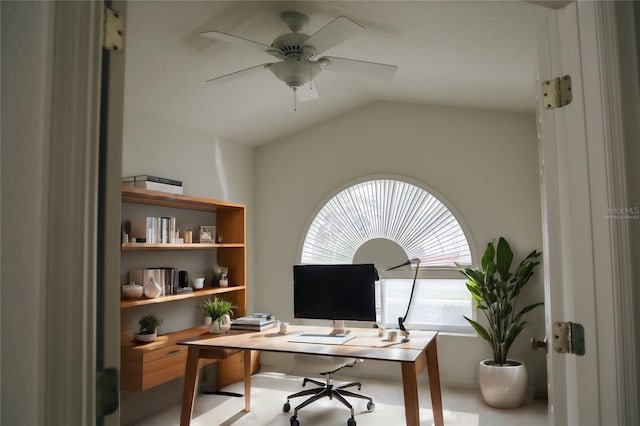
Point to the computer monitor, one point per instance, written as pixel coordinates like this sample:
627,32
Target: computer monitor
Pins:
335,292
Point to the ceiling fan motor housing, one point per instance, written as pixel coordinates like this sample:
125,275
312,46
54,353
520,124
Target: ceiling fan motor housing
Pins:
292,45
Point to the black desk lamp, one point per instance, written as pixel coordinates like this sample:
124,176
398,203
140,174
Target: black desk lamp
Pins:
401,320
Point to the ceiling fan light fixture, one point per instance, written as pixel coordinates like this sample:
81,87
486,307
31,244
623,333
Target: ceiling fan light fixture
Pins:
294,72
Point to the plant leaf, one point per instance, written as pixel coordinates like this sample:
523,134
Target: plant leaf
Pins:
504,257
479,329
489,253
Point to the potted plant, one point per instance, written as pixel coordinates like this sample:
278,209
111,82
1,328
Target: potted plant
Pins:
148,328
219,310
495,288
217,273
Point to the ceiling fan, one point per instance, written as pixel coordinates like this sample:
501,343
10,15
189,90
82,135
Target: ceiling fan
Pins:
299,54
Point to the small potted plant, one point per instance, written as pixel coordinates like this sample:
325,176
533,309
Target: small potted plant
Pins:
219,310
217,273
495,288
148,328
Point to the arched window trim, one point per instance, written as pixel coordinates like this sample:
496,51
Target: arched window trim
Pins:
436,194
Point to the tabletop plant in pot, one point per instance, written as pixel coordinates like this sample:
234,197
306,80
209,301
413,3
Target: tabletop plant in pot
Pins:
148,328
495,289
219,310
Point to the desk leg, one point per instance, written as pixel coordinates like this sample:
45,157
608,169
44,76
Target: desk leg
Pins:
190,383
247,380
410,387
434,383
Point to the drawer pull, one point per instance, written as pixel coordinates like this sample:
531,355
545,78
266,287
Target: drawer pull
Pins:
175,351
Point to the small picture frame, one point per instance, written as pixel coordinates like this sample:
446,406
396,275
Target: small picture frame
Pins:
207,234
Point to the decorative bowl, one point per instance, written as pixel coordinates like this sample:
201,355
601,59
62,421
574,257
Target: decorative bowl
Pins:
131,291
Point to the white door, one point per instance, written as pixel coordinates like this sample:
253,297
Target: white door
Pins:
585,272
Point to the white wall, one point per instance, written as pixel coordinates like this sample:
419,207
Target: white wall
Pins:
485,163
26,73
208,167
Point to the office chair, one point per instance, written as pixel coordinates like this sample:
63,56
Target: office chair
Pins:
328,389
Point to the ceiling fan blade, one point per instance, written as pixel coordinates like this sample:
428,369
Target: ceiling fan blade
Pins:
361,68
307,93
238,74
217,35
334,33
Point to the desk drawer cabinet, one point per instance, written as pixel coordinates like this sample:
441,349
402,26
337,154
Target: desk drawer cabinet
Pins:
144,366
146,369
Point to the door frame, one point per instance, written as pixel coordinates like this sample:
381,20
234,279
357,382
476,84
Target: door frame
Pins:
595,248
84,219
71,310
70,317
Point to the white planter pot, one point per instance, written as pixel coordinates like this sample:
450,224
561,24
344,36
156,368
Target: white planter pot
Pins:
146,337
215,327
503,386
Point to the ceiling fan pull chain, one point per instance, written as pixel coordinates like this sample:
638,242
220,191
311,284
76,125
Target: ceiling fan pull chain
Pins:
295,100
310,77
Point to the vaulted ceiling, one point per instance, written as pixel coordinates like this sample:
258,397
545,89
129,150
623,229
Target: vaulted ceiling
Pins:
479,54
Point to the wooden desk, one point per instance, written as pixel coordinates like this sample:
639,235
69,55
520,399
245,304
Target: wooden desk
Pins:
413,357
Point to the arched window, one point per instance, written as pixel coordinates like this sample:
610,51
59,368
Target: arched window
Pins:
385,208
392,211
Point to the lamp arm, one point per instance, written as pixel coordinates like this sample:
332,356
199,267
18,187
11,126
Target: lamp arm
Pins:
401,320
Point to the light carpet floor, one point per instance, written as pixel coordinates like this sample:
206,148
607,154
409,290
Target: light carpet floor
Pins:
269,392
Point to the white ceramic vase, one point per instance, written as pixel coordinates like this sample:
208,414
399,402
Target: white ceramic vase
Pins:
503,386
152,289
225,323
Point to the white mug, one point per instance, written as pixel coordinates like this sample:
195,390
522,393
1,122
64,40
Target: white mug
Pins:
283,327
198,283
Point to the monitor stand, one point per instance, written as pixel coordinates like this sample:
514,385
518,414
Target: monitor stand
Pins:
338,328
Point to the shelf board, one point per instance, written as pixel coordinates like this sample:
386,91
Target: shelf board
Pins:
130,303
157,198
167,246
164,340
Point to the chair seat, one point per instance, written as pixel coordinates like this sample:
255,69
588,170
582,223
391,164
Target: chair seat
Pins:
321,364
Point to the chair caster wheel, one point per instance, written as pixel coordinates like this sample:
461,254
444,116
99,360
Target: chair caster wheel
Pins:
370,406
294,421
351,422
286,407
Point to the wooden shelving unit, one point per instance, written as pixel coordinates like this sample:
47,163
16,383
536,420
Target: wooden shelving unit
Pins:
148,365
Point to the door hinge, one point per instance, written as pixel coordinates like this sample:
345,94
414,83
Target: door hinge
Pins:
113,30
107,391
568,337
556,92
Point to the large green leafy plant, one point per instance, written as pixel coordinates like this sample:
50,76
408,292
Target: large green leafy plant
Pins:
495,288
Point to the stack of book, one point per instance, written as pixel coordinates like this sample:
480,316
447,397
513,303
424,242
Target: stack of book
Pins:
254,322
154,229
153,183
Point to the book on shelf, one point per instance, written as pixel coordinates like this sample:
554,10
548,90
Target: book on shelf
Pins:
154,229
158,186
149,178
